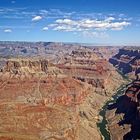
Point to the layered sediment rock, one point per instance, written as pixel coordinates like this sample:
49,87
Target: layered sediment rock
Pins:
124,115
25,66
55,101
33,100
104,80
127,61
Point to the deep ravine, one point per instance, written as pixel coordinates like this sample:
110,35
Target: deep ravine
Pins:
102,125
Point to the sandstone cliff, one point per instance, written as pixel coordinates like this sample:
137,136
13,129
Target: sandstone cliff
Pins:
55,97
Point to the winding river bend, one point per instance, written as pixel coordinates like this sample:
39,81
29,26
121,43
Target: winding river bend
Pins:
103,124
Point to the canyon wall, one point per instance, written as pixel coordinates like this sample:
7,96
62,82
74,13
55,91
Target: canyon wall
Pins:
55,93
127,61
124,115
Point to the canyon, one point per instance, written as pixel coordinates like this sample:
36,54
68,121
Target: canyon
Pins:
54,91
128,61
124,114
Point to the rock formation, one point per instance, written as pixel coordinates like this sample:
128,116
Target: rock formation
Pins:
124,115
40,106
55,93
127,61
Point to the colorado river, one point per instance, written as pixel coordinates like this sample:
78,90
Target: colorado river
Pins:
103,124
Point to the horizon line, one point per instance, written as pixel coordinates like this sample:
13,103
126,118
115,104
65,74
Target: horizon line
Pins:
82,43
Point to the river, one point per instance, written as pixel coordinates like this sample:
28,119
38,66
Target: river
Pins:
102,125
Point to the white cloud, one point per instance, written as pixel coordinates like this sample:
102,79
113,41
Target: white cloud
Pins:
36,18
119,25
45,28
66,21
89,28
88,24
64,28
8,30
110,19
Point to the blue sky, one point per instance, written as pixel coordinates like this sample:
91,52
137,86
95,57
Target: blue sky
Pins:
85,21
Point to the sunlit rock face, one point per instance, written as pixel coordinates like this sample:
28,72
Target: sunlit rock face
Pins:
55,93
40,103
25,66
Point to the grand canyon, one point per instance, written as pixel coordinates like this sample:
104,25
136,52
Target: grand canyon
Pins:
69,69
57,91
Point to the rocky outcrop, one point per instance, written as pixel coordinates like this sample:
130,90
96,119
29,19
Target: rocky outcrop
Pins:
96,72
127,61
42,97
27,68
104,81
17,66
124,115
55,96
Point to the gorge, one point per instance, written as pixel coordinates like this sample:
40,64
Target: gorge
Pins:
55,91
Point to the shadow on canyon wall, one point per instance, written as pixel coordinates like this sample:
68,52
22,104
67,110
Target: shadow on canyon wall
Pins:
130,58
129,108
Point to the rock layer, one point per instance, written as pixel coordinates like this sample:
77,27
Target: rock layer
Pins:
127,61
55,97
124,115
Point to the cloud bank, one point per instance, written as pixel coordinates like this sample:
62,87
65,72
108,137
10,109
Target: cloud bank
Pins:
69,25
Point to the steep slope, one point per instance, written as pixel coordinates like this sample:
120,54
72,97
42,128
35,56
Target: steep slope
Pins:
124,115
127,61
38,102
87,66
54,96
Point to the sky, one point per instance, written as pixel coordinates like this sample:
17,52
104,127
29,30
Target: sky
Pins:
112,22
